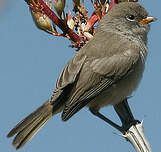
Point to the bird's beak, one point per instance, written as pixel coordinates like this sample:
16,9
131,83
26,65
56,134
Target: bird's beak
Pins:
148,20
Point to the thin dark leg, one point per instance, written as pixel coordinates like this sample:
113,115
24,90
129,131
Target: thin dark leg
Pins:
125,115
99,115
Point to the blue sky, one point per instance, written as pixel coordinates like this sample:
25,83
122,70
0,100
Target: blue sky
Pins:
30,62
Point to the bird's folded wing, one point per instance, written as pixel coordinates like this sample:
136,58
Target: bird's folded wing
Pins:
71,71
116,66
103,73
67,78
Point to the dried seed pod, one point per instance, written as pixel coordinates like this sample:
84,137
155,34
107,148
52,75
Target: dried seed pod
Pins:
59,6
41,21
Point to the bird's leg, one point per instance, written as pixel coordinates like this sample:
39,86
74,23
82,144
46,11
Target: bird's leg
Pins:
133,129
125,115
99,115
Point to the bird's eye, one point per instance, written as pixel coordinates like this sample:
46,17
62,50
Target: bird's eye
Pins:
130,17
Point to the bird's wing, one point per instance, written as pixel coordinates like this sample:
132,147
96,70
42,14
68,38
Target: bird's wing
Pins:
71,70
101,74
117,66
67,78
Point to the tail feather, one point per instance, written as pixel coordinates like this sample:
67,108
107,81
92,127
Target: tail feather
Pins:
29,119
25,135
28,127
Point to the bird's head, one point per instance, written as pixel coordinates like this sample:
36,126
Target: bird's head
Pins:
128,18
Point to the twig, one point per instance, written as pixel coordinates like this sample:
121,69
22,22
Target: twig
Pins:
135,135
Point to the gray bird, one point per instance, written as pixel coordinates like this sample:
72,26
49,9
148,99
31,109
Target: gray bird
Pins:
103,72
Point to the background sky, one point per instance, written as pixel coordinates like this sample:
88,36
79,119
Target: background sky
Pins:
31,61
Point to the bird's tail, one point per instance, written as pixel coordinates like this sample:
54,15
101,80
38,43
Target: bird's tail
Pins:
28,127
